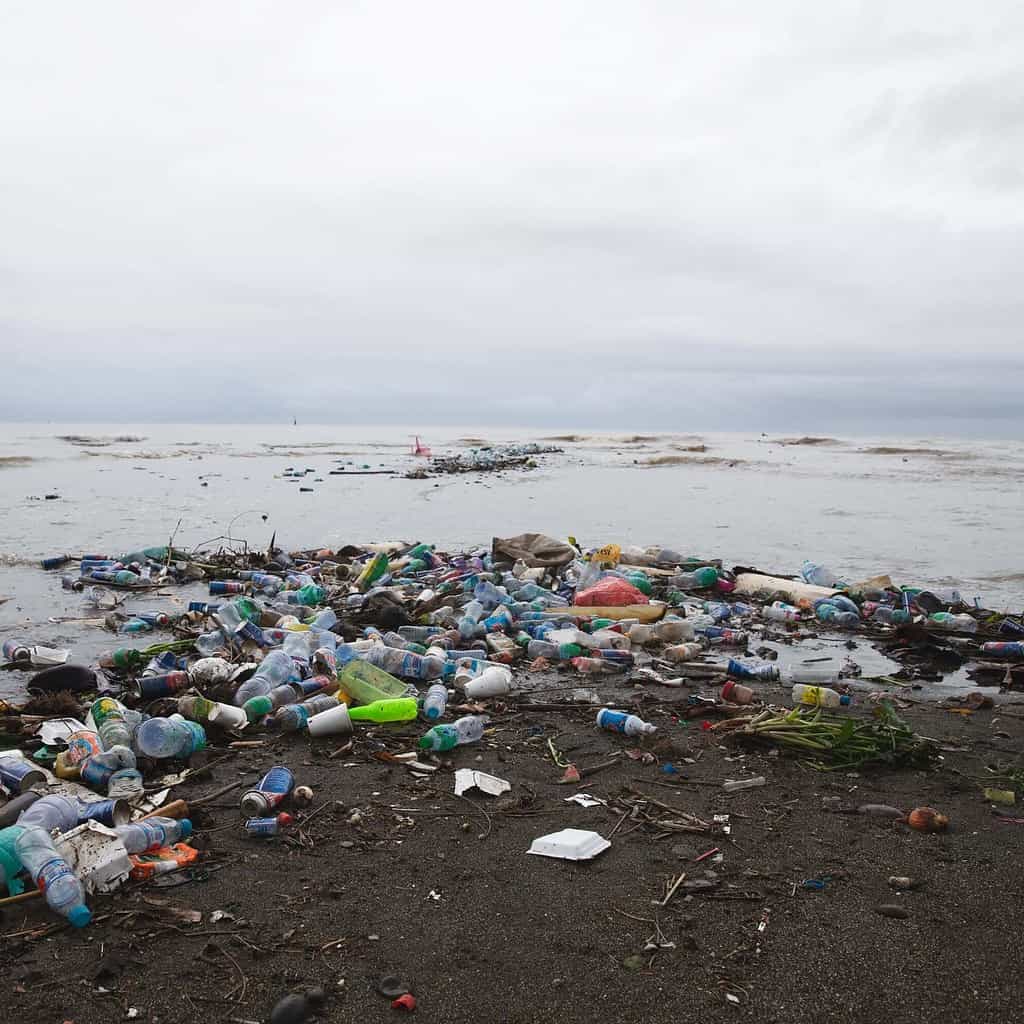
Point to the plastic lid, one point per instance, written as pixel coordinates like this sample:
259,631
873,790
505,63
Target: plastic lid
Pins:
80,915
844,700
185,826
727,690
424,742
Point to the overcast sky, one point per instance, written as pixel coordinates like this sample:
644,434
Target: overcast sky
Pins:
678,215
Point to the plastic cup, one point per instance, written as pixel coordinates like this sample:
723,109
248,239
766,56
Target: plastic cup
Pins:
332,722
492,682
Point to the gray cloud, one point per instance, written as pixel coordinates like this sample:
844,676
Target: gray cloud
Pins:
664,215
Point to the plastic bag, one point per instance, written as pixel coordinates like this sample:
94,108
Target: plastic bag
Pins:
611,591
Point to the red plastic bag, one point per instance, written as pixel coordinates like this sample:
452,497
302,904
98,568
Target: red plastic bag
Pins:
610,592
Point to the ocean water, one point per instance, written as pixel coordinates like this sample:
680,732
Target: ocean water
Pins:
930,511
936,511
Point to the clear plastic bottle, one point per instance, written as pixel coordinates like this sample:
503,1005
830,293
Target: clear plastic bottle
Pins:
435,702
111,725
295,717
175,736
699,579
404,663
97,770
624,722
553,652
818,696
962,623
55,880
275,668
53,813
439,738
673,629
152,833
814,674
818,575
256,708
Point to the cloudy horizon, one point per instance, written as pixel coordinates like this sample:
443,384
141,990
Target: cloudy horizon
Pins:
665,216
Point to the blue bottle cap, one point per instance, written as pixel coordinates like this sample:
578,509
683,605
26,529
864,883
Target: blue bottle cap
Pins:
80,916
844,700
186,827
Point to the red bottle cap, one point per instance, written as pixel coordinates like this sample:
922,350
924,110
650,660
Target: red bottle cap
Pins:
406,1002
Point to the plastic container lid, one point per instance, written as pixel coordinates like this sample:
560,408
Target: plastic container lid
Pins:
185,825
570,844
80,916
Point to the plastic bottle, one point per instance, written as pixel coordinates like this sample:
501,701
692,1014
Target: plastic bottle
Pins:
404,663
435,702
55,880
374,569
779,611
10,863
766,672
271,790
295,717
699,579
624,722
53,813
268,826
123,659
818,575
256,708
815,674
737,693
673,629
439,738
109,717
683,652
169,737
818,696
394,709
596,666
275,668
98,770
152,833
962,623
831,614
551,651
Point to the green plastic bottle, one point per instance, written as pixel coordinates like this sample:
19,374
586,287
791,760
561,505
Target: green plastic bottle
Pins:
373,570
122,658
400,709
642,583
10,862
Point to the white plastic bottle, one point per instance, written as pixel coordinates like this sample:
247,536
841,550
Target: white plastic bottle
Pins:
52,875
818,696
